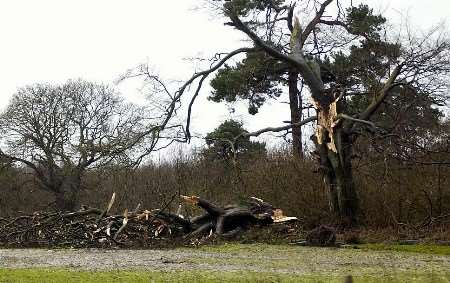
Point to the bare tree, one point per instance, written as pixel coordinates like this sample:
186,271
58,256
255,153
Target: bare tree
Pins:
61,131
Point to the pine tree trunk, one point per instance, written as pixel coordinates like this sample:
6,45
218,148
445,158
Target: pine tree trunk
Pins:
295,105
338,176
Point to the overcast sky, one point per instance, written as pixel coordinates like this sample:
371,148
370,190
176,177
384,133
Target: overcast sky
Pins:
56,40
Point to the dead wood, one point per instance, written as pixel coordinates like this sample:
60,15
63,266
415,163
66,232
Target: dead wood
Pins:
93,227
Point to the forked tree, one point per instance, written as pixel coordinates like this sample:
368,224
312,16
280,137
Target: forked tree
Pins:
348,59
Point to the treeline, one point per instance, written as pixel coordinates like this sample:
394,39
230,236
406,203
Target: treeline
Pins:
393,193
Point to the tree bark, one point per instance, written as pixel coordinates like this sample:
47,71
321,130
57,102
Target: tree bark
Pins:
335,152
295,105
66,197
345,191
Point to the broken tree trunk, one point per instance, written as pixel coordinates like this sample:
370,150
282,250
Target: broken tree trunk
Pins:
334,146
229,221
93,227
334,142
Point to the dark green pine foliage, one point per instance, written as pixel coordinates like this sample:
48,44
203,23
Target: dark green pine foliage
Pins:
362,21
406,113
259,77
369,59
244,7
361,69
219,147
365,67
255,79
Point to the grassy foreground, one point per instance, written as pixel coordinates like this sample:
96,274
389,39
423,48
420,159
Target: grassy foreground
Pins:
70,276
431,249
422,248
278,263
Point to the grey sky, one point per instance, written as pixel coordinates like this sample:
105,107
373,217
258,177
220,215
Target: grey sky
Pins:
55,40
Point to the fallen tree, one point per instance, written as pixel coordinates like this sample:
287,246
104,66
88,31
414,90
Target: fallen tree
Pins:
94,227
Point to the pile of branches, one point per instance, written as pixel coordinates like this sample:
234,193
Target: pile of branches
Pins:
93,227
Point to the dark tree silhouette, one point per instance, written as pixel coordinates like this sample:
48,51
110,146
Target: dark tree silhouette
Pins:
222,143
61,131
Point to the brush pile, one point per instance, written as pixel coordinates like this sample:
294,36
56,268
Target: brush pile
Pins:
93,227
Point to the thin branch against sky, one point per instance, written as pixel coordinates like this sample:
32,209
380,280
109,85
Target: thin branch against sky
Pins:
53,41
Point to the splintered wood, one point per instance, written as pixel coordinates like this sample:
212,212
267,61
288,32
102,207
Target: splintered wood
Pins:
93,227
327,120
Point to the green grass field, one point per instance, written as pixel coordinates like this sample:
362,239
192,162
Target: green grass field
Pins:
70,276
